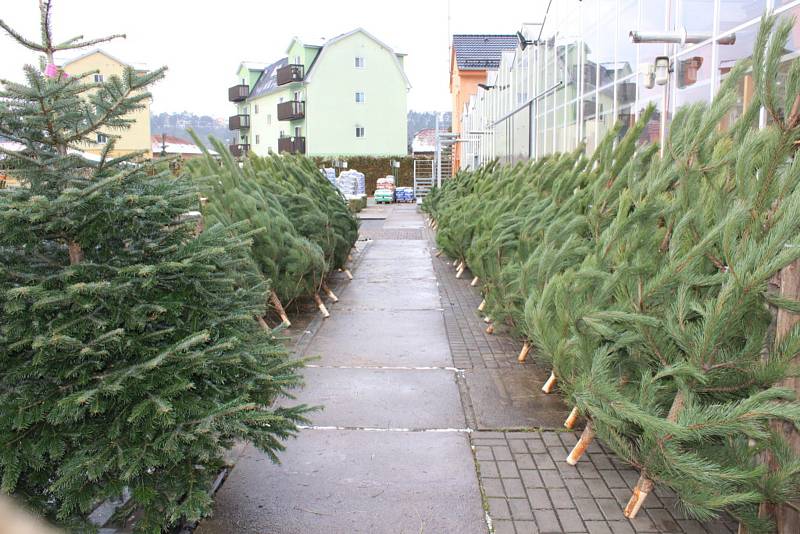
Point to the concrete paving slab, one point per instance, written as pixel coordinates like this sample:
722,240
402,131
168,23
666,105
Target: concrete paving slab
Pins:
414,294
380,398
354,481
398,250
511,398
385,269
382,338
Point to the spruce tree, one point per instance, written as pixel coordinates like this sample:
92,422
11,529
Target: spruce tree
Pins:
129,354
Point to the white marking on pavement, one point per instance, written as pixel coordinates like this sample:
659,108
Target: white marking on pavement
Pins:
387,367
377,429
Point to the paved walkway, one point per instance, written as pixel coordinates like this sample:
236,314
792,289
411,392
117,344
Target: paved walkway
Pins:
430,425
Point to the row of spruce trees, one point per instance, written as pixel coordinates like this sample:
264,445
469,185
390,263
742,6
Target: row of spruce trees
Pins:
130,353
643,280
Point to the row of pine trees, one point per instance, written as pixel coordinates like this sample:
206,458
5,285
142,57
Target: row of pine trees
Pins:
643,279
133,350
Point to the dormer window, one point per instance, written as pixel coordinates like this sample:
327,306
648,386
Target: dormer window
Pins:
359,62
359,97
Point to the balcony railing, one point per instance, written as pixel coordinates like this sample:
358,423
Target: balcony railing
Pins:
239,150
289,73
291,110
292,145
239,122
237,93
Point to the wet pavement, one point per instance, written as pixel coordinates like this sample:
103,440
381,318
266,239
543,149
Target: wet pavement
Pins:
429,424
390,451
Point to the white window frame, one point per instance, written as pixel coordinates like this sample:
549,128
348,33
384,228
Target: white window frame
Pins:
258,138
102,138
98,78
362,95
362,61
362,131
269,119
255,109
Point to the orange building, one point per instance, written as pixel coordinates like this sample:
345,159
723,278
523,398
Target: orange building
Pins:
471,57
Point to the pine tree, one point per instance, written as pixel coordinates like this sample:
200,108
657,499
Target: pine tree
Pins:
129,353
643,280
308,230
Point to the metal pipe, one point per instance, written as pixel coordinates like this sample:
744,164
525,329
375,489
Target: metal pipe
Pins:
679,37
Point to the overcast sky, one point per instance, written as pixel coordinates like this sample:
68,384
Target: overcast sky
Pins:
203,41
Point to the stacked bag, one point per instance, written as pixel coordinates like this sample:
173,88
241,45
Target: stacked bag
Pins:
405,194
385,189
644,282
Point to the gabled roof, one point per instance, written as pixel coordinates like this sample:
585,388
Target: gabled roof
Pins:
137,66
330,42
268,82
481,52
252,65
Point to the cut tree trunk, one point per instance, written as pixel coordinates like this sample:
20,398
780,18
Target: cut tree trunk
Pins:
572,418
474,282
523,354
321,306
347,273
273,298
645,485
550,384
583,443
331,294
482,305
75,253
640,492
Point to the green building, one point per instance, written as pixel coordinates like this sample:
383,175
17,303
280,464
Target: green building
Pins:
344,97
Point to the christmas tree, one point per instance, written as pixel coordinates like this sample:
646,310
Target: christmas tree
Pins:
643,280
129,354
304,227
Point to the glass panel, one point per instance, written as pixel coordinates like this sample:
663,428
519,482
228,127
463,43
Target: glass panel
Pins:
736,12
692,73
651,132
652,18
590,46
604,53
793,43
605,100
697,16
626,97
559,130
604,124
571,128
626,50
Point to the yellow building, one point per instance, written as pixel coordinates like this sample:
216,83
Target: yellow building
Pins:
133,139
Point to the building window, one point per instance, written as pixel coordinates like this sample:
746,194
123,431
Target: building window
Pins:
359,131
98,78
102,138
297,60
255,108
257,139
269,119
297,96
298,131
359,62
359,97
